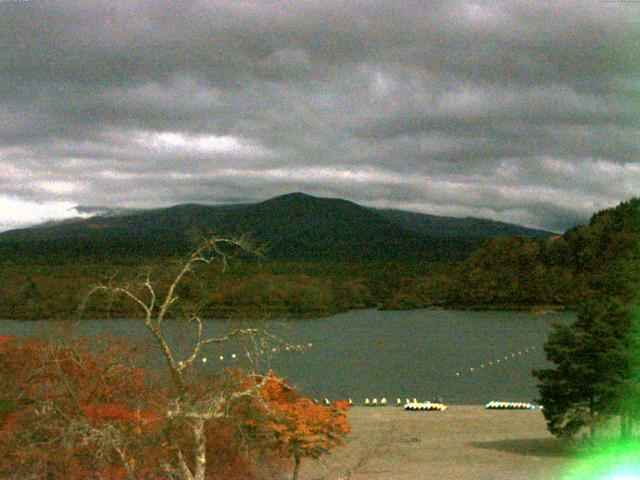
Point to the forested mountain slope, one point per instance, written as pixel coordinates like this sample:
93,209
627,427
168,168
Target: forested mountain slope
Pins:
293,226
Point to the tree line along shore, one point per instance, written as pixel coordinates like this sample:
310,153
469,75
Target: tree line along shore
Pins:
503,273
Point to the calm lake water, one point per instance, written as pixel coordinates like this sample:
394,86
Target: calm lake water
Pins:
464,357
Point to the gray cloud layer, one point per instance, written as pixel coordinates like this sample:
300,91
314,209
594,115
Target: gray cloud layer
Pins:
523,111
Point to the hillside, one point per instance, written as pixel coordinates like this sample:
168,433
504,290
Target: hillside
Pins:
601,258
467,227
327,255
293,226
301,226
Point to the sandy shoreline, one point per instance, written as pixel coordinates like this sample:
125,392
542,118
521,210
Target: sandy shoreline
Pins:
464,442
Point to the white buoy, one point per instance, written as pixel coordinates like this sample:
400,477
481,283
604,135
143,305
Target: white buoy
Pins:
471,369
490,363
204,359
233,355
350,401
383,402
221,358
482,365
309,344
366,401
375,401
457,374
398,402
326,401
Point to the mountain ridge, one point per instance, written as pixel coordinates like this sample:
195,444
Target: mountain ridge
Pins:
295,225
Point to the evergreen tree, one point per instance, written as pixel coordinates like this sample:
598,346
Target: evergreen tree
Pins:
597,357
628,400
592,368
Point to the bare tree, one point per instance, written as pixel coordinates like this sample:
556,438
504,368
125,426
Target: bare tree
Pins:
191,407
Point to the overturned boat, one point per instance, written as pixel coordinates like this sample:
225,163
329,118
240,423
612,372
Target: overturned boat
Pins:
427,406
493,405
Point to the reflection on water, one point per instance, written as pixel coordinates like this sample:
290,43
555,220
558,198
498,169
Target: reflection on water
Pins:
464,357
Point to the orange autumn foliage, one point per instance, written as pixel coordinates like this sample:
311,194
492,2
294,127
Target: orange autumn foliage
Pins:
64,409
299,427
56,401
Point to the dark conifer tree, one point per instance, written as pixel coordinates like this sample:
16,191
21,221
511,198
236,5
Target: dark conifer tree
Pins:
592,368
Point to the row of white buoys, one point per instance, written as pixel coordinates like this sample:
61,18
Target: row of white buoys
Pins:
497,361
291,347
425,406
234,356
374,402
493,405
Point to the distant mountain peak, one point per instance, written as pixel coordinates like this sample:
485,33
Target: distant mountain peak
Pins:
295,226
294,195
304,199
298,197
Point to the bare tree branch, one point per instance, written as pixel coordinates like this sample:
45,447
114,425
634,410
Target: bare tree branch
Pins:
196,411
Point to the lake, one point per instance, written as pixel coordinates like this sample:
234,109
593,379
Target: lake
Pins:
465,357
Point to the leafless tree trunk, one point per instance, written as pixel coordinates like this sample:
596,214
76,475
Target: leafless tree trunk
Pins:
195,412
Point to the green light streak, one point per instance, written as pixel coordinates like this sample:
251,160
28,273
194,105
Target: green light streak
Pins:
614,458
613,461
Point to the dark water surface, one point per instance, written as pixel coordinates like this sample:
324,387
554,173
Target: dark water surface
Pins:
369,353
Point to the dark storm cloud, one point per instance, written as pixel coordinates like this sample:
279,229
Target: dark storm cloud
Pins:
524,111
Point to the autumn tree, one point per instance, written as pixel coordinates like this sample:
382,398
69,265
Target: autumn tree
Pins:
299,428
192,406
75,411
84,410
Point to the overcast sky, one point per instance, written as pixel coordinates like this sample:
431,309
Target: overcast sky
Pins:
521,111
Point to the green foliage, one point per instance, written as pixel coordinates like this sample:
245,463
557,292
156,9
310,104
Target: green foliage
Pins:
599,259
591,359
597,358
509,272
7,407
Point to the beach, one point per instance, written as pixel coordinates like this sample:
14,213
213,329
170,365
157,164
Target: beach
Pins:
463,442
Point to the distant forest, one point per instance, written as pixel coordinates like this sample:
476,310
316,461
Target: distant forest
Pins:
502,273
